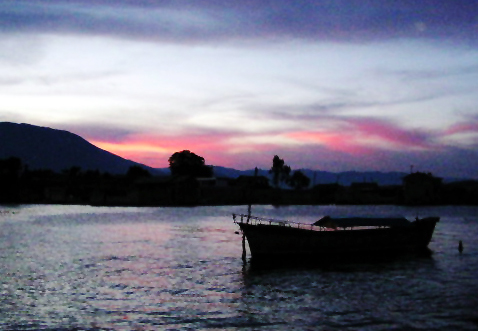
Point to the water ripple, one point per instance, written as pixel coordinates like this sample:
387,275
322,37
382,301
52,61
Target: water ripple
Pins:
180,269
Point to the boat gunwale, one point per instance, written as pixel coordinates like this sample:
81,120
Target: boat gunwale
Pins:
262,221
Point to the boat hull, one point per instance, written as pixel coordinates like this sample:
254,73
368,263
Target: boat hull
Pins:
284,242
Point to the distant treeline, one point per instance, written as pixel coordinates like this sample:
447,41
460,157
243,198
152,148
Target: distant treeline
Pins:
137,187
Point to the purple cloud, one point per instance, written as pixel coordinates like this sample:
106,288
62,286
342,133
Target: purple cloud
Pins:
470,125
391,132
218,20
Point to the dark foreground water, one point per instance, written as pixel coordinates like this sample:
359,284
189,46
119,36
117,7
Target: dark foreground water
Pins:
87,268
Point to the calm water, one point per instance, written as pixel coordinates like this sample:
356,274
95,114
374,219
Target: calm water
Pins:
95,268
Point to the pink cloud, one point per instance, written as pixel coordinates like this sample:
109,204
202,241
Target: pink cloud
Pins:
464,127
343,142
364,136
354,136
339,150
347,144
391,133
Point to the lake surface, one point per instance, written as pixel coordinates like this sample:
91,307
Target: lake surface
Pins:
99,268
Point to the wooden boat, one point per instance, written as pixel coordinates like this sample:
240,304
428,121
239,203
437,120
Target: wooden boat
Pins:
335,237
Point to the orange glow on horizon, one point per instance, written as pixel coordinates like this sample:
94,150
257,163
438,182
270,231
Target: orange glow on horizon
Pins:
155,152
147,153
119,148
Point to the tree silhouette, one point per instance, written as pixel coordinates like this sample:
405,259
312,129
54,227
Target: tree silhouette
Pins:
299,180
10,171
186,163
279,170
11,167
136,172
72,172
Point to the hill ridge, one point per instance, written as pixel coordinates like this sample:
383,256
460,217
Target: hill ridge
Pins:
47,148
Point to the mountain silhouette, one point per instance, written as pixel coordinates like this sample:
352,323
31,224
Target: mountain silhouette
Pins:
46,148
345,178
324,177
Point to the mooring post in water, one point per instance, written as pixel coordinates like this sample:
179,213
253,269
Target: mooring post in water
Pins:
460,246
243,247
249,207
243,238
244,254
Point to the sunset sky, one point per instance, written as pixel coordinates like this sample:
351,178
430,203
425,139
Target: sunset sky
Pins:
329,85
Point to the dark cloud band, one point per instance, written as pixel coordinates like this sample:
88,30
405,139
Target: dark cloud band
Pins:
187,21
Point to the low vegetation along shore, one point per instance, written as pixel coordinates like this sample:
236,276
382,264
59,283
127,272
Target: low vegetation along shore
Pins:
194,183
